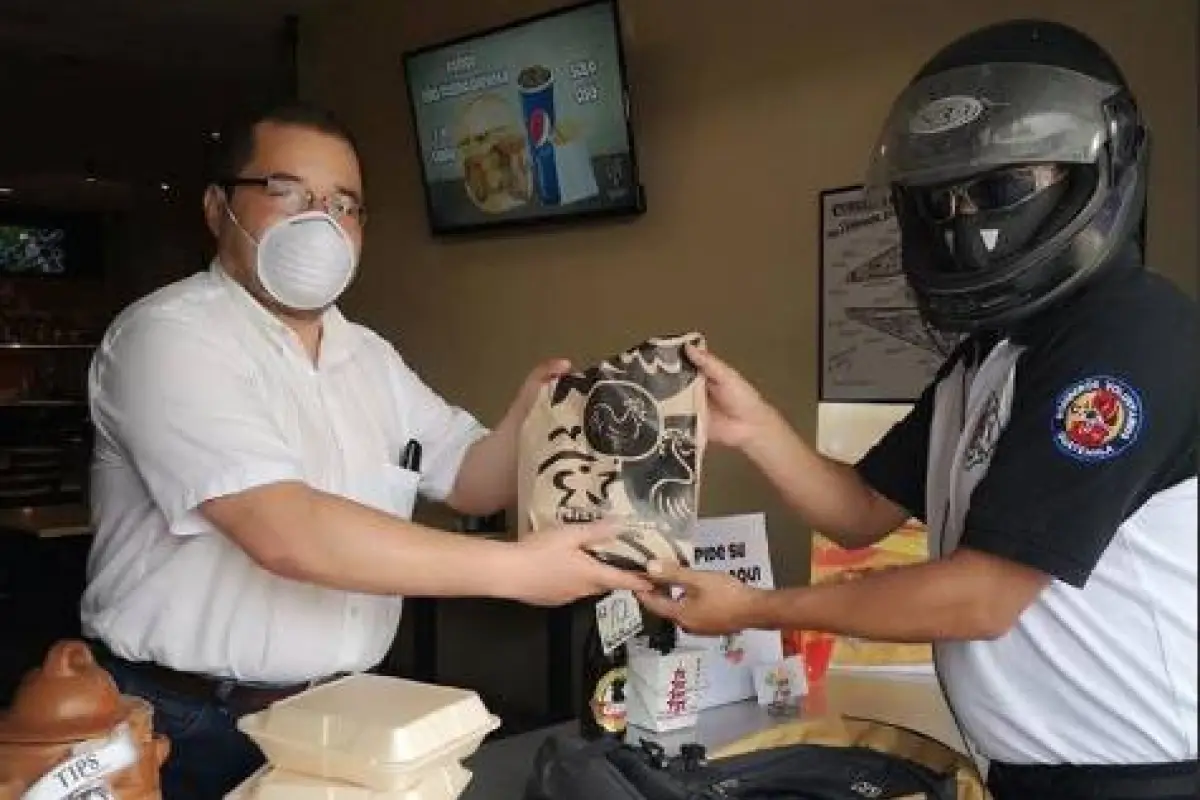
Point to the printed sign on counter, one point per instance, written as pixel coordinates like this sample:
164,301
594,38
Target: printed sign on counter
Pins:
736,545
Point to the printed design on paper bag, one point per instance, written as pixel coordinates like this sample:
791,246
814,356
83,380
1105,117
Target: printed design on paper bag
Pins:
622,439
986,433
624,423
622,420
669,475
580,479
608,700
1096,419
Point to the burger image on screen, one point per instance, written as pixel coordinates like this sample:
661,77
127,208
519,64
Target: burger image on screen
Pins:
494,154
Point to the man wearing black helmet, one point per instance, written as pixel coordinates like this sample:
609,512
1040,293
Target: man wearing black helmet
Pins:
1054,456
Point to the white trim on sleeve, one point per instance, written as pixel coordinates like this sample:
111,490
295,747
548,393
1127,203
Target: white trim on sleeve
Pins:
438,479
186,520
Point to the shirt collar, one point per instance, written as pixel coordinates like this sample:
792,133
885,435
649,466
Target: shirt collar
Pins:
337,336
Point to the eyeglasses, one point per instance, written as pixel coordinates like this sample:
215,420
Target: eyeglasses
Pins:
294,197
995,191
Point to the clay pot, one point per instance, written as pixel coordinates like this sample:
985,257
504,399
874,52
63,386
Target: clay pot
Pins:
66,702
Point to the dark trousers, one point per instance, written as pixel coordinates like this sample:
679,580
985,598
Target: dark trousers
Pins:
1136,782
209,755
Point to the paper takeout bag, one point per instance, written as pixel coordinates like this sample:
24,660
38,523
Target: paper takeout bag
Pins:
624,439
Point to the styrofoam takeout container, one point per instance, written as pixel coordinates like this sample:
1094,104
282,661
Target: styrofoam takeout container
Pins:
374,731
271,783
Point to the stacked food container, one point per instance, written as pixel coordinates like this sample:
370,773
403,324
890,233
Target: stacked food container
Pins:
367,737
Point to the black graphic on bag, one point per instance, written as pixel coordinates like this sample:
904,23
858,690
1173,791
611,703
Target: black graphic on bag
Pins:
623,439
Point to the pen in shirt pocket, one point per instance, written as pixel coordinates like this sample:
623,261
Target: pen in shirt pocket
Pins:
410,457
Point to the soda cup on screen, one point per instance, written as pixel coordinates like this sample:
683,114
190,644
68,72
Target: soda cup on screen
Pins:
536,85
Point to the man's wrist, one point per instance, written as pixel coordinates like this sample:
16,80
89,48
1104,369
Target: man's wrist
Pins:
509,427
503,570
765,435
777,609
760,611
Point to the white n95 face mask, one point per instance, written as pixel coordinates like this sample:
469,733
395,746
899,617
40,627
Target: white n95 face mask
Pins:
304,262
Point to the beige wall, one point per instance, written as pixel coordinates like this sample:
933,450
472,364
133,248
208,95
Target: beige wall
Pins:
744,111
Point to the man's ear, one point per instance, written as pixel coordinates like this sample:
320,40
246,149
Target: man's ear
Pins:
214,209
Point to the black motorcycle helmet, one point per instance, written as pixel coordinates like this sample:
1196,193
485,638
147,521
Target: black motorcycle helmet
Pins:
1016,162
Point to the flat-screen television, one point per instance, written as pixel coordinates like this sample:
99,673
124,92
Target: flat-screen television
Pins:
45,244
527,123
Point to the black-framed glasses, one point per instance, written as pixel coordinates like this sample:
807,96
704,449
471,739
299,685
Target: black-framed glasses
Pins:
995,191
293,197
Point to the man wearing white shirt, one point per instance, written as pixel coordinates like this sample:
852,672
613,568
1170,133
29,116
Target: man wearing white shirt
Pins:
252,531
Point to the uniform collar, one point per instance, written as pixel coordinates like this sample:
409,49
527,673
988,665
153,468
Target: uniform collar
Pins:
979,346
337,336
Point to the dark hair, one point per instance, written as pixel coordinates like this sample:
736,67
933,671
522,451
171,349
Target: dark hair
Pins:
234,147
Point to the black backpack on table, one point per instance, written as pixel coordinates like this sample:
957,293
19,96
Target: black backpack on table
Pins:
567,767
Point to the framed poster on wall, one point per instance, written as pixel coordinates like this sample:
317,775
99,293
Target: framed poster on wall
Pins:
874,345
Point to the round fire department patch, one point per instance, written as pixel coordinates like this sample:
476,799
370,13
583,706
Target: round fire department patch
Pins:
1097,418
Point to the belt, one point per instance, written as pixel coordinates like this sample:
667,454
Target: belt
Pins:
1097,782
238,698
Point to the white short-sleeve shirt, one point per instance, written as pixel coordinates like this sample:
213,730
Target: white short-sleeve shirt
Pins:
197,392
1116,658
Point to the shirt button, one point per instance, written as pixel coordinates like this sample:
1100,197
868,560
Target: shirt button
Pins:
354,612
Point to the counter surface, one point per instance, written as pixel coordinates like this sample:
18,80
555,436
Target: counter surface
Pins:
501,768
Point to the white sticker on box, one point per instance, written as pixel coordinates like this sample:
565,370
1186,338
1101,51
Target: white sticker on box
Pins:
780,685
618,618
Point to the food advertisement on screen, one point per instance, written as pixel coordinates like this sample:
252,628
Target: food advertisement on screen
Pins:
526,122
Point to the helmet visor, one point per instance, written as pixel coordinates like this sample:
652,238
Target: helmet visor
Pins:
973,119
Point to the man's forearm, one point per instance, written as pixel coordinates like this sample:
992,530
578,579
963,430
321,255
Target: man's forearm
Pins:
487,478
828,494
923,603
307,535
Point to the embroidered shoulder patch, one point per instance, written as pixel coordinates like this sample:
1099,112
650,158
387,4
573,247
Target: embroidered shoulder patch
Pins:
1097,418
